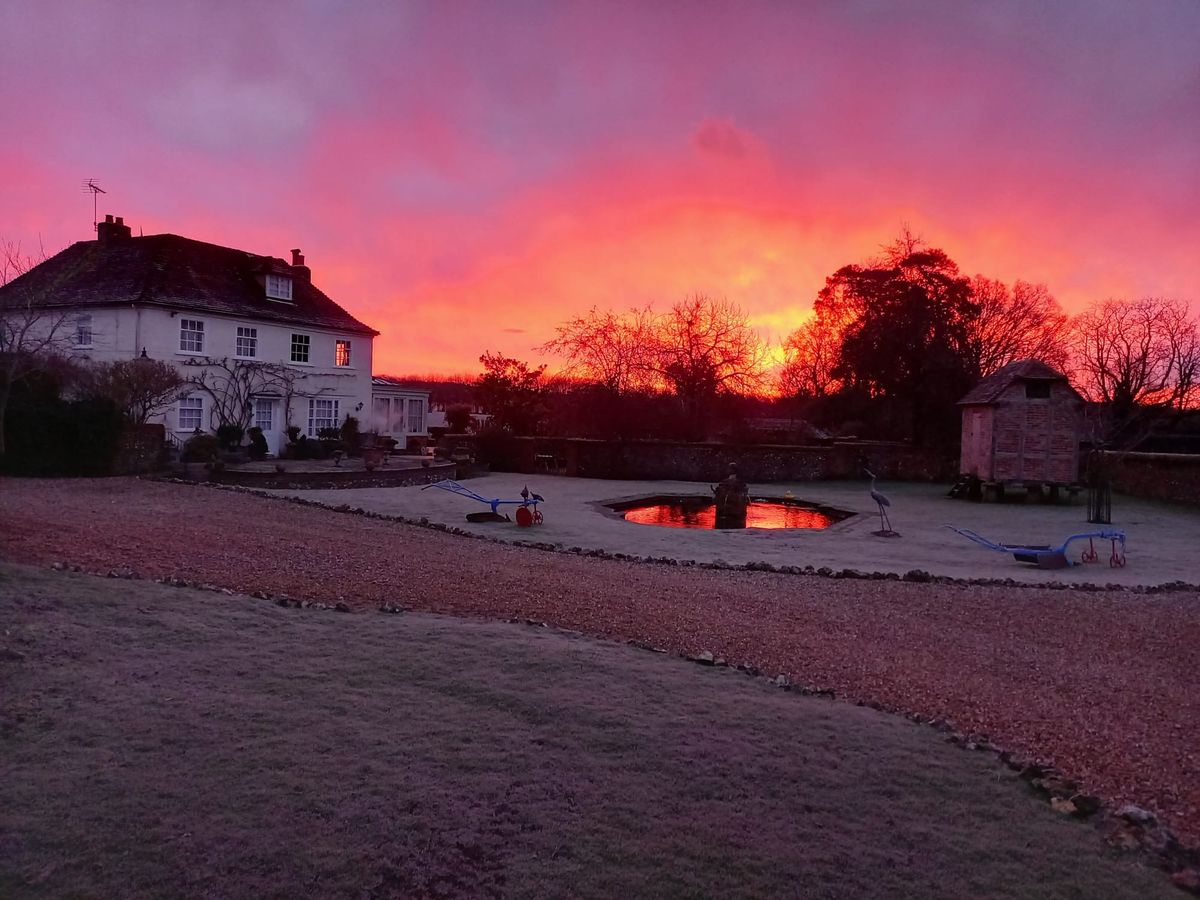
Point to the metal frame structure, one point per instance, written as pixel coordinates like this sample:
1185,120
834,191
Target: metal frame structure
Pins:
1045,557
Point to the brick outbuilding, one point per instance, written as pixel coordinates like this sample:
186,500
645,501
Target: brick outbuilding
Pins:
1022,426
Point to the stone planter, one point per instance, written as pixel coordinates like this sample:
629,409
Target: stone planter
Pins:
373,458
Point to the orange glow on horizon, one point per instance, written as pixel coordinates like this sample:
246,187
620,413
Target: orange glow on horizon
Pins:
463,177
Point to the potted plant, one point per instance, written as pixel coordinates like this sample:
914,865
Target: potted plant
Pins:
351,439
258,443
374,457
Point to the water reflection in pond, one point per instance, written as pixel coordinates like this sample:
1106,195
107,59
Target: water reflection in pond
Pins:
701,512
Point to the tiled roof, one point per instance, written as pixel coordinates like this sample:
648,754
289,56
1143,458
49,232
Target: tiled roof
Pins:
999,381
180,273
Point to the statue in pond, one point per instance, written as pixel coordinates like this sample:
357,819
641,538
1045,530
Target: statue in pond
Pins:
732,497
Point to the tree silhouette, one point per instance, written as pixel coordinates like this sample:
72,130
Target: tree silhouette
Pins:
698,350
1023,322
606,348
512,392
704,347
140,388
810,354
905,337
30,328
1138,356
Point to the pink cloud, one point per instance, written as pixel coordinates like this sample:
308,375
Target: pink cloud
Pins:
463,173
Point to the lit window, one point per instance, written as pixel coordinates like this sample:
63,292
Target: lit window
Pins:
321,414
191,335
416,417
191,413
264,415
279,288
399,426
247,342
300,347
341,353
83,331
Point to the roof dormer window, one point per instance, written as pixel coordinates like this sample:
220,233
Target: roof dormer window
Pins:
279,287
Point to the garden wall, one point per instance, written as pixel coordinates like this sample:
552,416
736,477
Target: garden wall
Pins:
325,480
1157,476
679,461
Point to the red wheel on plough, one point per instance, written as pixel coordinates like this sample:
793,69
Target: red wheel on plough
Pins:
1117,560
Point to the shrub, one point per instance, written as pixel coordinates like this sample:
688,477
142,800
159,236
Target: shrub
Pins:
306,448
258,443
201,447
49,436
349,434
230,436
458,418
497,448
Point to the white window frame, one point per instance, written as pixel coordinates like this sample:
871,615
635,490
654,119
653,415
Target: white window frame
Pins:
279,287
83,330
306,343
398,420
417,406
246,342
190,403
264,414
338,344
381,413
329,418
191,331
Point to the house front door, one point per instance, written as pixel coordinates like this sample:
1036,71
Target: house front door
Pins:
269,417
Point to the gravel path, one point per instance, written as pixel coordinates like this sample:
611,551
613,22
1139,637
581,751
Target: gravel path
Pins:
1102,685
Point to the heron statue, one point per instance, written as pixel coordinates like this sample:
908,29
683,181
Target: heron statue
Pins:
885,524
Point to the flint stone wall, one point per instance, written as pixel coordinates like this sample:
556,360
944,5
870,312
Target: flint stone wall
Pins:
678,461
1157,476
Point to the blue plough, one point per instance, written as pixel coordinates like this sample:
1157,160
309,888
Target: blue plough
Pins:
527,507
1046,557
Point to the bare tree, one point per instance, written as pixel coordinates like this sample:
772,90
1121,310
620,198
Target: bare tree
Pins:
233,384
29,328
705,342
1140,360
810,354
141,388
699,349
1024,322
703,347
607,348
1138,354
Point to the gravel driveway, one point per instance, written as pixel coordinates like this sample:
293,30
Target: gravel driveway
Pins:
1103,685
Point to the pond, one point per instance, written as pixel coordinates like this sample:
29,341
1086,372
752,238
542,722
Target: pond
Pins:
701,512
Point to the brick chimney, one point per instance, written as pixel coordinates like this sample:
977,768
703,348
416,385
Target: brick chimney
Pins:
112,230
298,267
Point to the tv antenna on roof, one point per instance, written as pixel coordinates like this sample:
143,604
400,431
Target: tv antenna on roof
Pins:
90,185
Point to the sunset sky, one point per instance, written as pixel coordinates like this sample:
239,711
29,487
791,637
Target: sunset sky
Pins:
464,176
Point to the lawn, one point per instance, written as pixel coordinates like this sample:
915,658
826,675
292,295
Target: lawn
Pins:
159,741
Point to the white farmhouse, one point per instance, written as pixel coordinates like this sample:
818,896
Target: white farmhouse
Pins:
221,314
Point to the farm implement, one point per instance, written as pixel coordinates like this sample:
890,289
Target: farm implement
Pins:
527,512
